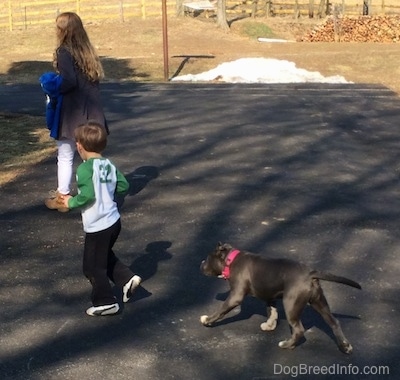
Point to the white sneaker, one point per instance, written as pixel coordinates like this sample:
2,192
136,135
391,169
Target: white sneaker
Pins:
98,311
129,287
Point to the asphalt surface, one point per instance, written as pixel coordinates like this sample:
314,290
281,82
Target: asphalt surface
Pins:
304,171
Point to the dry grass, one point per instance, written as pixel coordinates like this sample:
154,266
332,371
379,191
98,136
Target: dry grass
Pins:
25,142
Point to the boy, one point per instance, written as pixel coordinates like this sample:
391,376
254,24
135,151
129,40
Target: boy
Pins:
98,181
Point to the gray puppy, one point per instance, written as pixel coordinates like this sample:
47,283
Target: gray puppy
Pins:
271,279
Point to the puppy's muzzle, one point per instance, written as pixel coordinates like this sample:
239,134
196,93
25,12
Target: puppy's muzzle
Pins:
204,268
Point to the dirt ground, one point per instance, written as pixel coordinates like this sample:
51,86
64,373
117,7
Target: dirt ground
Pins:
134,50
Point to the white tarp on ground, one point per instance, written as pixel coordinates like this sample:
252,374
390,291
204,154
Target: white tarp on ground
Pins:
200,5
260,70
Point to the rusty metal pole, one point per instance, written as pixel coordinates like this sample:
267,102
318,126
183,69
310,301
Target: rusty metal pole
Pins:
165,38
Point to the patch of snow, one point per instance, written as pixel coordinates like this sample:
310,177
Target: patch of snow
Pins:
260,70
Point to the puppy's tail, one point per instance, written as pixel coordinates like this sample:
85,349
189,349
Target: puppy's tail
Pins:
331,277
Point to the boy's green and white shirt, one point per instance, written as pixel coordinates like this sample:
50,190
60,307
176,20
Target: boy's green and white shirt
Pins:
98,181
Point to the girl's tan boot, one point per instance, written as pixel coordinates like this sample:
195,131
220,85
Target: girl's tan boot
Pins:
55,202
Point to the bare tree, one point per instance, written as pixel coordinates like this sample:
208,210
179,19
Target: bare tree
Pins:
323,8
221,15
179,8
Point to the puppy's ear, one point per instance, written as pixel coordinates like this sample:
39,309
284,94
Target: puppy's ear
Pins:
221,251
226,247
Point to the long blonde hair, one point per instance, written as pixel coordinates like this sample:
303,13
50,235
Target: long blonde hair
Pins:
72,36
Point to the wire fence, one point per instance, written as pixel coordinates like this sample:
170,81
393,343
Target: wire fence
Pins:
322,8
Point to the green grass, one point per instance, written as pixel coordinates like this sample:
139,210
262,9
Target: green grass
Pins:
254,30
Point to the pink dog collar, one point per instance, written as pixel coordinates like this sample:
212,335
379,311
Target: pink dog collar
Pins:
229,259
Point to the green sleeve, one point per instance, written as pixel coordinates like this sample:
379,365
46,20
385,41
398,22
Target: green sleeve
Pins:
122,184
86,194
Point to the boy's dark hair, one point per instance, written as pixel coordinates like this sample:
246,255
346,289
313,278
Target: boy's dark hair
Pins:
92,136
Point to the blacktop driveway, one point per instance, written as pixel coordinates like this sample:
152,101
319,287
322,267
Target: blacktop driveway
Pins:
305,171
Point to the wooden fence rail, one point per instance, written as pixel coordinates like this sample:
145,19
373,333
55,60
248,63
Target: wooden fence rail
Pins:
16,14
24,14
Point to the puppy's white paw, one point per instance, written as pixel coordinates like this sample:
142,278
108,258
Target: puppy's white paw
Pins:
346,347
286,344
204,319
269,325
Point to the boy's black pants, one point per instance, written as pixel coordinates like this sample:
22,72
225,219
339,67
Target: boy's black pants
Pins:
100,265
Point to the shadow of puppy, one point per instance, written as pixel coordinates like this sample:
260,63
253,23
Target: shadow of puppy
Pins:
251,306
140,177
137,180
147,264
